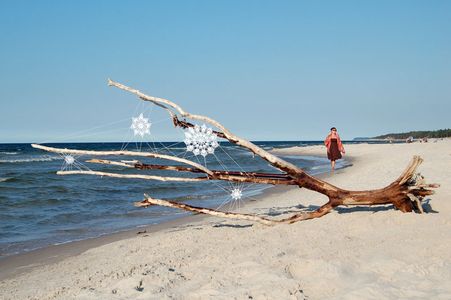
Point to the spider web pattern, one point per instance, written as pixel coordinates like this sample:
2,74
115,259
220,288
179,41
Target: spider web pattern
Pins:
140,125
200,142
71,162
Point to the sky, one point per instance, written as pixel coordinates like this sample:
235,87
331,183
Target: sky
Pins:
267,70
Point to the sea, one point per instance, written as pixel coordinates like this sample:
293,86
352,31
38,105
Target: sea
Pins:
39,208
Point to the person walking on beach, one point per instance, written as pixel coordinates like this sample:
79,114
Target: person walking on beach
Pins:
334,147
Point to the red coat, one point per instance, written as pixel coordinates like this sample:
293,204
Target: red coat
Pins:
340,145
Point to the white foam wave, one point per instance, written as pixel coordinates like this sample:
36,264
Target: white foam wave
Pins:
8,153
27,160
3,179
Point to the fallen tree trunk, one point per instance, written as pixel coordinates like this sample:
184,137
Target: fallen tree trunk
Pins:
405,193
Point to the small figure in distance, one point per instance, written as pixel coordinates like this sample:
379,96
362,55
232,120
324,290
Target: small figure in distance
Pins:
334,147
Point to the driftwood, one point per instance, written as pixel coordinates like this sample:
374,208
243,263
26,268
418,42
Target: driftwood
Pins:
405,193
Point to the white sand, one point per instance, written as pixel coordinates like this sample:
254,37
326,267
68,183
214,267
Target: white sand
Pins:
355,253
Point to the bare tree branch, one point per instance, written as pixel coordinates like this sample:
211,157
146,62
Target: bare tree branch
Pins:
142,166
260,178
274,160
131,176
229,215
405,193
123,153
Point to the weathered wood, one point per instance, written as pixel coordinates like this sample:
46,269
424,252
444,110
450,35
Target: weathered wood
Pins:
184,124
111,162
405,193
216,175
277,162
142,166
234,176
121,153
397,193
149,201
131,176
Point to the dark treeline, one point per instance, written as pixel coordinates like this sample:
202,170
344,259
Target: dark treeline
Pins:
441,133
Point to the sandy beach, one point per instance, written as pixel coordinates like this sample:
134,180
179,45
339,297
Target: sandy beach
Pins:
351,253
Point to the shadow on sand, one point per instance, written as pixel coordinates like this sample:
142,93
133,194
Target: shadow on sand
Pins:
277,211
233,225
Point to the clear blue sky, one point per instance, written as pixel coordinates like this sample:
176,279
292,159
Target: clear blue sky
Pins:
268,70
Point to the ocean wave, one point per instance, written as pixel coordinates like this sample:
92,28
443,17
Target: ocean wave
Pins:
27,160
9,153
6,179
28,182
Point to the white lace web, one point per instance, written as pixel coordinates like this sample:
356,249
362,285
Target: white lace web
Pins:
71,162
200,145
